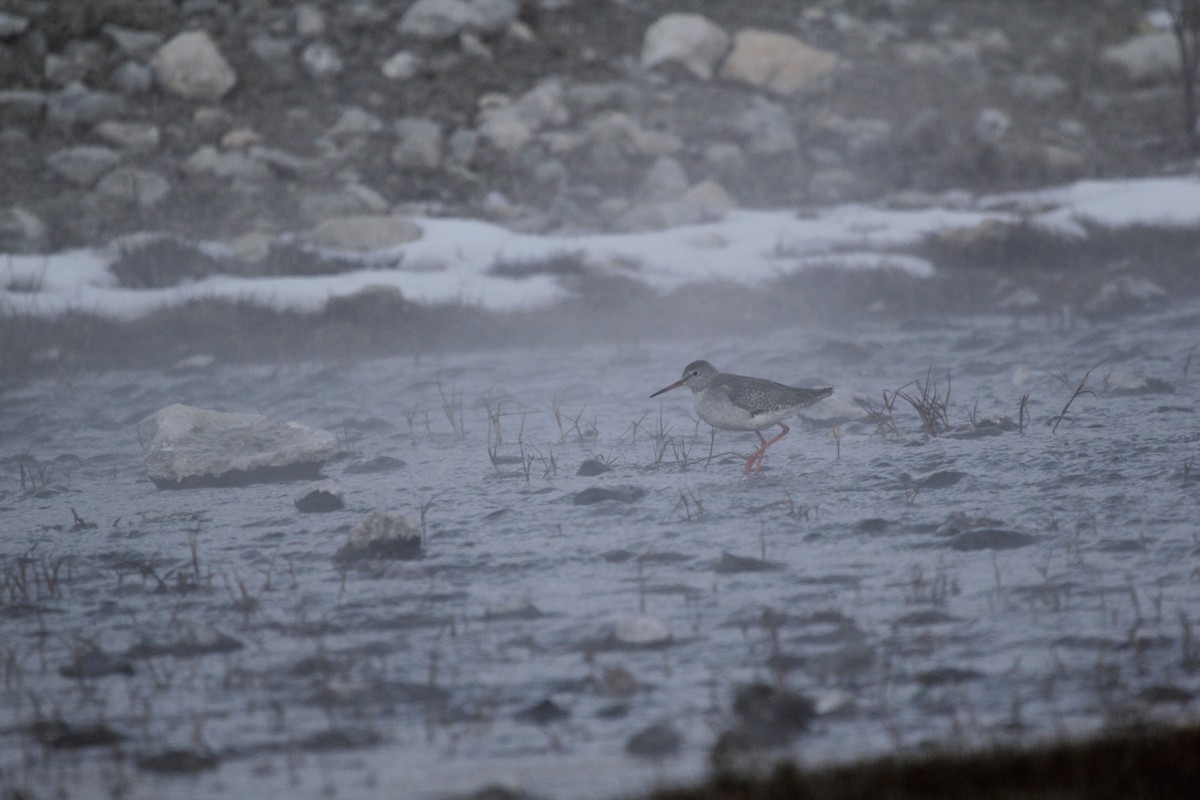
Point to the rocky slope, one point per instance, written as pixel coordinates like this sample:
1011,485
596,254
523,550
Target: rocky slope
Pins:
239,121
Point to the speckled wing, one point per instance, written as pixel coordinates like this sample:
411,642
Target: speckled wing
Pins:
762,396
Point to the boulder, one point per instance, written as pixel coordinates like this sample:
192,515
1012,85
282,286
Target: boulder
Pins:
191,66
381,535
419,145
776,62
1148,58
133,136
691,40
188,447
133,186
78,105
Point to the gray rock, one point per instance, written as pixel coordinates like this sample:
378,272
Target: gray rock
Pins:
655,741
726,159
622,133
135,187
1041,87
420,145
446,19
12,26
401,66
132,42
692,40
320,60
355,122
665,180
381,535
134,136
132,77
23,105
78,105
1124,294
310,21
766,129
544,105
230,166
191,66
187,447
599,494
461,146
319,498
82,165
21,231
991,124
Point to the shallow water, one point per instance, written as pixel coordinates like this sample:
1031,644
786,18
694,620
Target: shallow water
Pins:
414,675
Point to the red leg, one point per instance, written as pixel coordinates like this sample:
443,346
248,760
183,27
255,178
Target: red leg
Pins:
757,455
761,453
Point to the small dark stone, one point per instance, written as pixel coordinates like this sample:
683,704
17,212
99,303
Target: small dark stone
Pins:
94,663
598,494
729,564
179,762
543,713
656,741
593,467
991,539
943,675
872,525
942,480
98,735
319,501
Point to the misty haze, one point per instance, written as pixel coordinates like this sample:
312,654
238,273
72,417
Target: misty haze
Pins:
329,462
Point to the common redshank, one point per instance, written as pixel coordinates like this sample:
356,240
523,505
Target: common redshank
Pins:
738,403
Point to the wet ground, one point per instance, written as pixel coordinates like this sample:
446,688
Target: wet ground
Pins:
1006,580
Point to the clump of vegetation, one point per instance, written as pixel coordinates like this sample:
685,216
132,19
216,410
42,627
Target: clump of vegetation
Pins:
163,262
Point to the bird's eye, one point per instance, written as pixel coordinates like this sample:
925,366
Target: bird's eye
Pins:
695,373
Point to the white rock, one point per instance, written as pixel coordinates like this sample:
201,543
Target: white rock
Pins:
310,21
766,128
420,145
692,40
364,232
665,180
191,66
383,534
618,129
1147,58
134,187
642,631
231,166
401,66
187,446
132,42
776,62
320,60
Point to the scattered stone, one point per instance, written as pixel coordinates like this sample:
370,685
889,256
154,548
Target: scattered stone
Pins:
191,66
776,62
592,467
132,42
641,632
208,161
991,124
134,136
132,77
320,60
599,494
21,105
1129,384
665,180
12,26
364,232
21,231
940,676
543,713
82,165
139,188
420,145
310,21
991,539
189,447
92,662
627,136
78,105
62,736
320,498
766,129
355,122
1123,295
446,19
381,535
729,564
692,40
1149,58
658,740
179,762
401,66
191,638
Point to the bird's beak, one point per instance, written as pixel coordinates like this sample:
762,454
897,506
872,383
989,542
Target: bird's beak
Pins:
674,385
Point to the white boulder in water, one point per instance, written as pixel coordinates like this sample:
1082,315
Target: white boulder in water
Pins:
187,447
